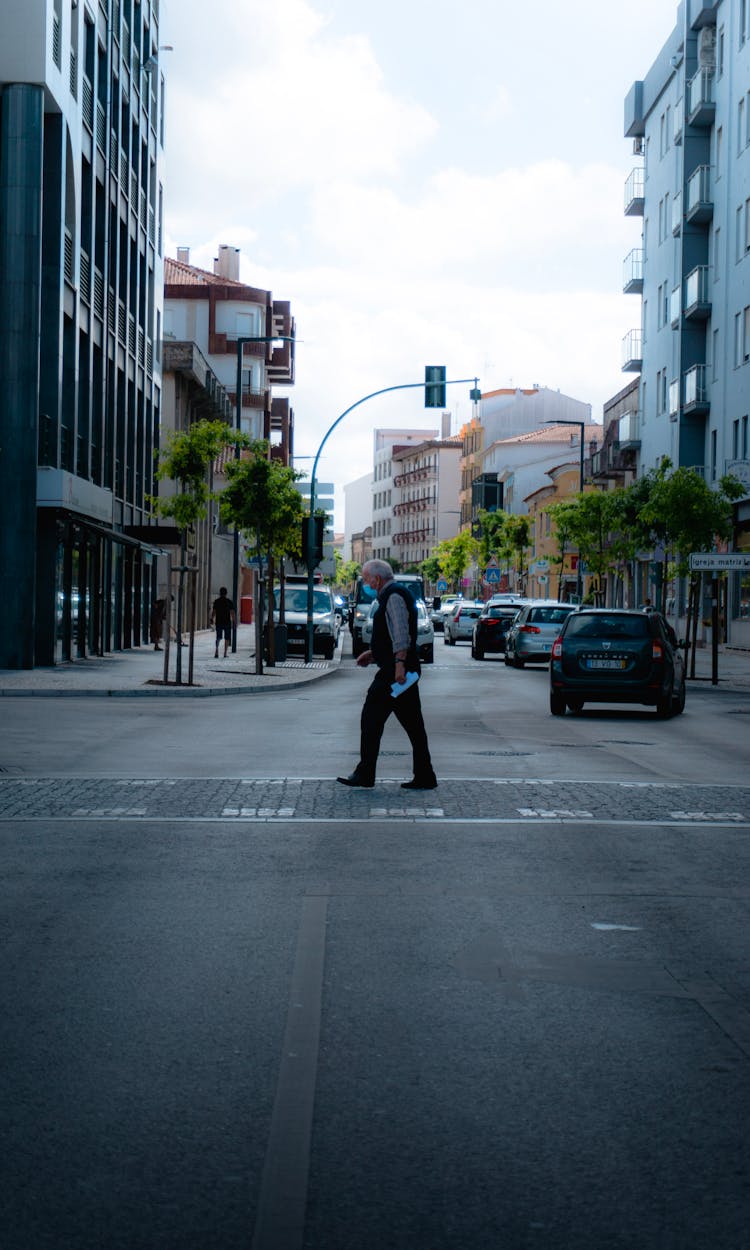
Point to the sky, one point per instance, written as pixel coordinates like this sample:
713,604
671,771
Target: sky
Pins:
427,183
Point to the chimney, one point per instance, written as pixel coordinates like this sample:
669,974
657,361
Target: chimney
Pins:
445,425
183,254
227,263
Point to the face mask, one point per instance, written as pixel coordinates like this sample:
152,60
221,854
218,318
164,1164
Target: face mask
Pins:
370,591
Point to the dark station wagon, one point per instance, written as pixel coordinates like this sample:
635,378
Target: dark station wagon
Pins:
616,656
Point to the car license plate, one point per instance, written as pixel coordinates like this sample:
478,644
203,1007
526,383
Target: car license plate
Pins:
605,664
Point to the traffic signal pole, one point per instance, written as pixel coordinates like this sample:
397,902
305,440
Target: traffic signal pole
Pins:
434,388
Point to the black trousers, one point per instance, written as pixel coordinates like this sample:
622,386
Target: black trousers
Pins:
407,708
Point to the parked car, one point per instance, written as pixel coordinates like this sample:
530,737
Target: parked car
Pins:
491,629
325,619
534,630
445,607
617,656
459,626
425,631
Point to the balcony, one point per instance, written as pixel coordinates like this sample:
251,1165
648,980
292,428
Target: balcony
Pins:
632,278
697,297
629,436
701,108
702,13
699,206
632,351
413,476
634,193
696,399
674,400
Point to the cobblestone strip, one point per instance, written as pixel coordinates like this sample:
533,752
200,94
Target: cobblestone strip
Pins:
315,799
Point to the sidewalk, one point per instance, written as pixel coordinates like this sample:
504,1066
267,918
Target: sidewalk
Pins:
140,672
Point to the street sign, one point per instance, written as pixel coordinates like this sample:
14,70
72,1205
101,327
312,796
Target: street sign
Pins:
714,561
442,586
491,575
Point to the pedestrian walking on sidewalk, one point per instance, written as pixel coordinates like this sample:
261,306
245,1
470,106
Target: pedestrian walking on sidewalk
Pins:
158,616
223,616
394,651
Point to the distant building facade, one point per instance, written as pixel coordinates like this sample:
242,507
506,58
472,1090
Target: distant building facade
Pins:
385,443
426,481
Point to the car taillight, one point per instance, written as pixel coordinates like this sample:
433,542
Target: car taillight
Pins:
530,629
657,651
557,649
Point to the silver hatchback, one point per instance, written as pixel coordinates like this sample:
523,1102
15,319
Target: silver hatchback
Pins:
530,637
459,626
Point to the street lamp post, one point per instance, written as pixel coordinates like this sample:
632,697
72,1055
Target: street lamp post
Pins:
310,553
241,341
582,429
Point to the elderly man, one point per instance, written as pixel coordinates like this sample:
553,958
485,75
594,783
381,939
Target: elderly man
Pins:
394,651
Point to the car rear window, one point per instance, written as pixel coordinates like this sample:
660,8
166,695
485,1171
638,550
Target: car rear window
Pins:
612,625
549,616
470,612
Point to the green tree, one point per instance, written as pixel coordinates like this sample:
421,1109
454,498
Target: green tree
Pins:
186,459
260,498
430,569
515,542
562,514
347,573
454,555
591,524
492,537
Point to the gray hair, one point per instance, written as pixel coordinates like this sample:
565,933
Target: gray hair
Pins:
379,568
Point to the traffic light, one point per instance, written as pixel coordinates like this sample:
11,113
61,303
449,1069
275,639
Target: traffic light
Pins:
434,386
318,523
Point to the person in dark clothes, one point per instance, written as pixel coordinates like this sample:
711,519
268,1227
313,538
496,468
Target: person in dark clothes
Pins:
223,616
394,651
158,616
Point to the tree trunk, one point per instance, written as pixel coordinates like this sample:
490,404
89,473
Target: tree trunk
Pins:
271,630
259,613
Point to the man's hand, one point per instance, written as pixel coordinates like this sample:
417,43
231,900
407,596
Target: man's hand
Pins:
364,659
400,672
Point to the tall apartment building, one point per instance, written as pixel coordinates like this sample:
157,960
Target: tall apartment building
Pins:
81,201
383,492
426,481
689,119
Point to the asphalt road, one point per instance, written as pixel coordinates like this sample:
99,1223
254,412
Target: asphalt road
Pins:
245,1007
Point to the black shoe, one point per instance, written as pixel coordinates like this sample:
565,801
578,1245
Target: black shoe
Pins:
420,783
356,779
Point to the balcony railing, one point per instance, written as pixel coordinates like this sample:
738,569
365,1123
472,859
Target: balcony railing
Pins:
632,277
85,284
634,192
632,351
699,206
701,106
696,389
674,400
678,122
697,295
87,92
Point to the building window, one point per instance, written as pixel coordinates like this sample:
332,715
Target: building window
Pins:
720,53
715,355
719,143
736,439
743,449
741,133
716,259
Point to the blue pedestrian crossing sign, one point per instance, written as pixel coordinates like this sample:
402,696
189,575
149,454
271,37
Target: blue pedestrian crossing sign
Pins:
442,586
492,575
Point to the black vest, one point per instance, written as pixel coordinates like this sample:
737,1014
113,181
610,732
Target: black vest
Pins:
381,645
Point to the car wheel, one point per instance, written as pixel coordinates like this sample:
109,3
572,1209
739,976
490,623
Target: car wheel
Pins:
575,705
328,650
678,703
429,656
507,660
449,640
517,661
478,653
556,703
357,647
664,706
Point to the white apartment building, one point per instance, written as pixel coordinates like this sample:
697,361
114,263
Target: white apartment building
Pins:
523,463
385,443
357,513
426,483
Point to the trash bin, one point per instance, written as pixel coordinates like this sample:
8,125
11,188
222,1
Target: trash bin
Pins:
279,642
246,610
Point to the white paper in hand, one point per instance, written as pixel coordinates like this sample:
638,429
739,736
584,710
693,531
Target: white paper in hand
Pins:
396,690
